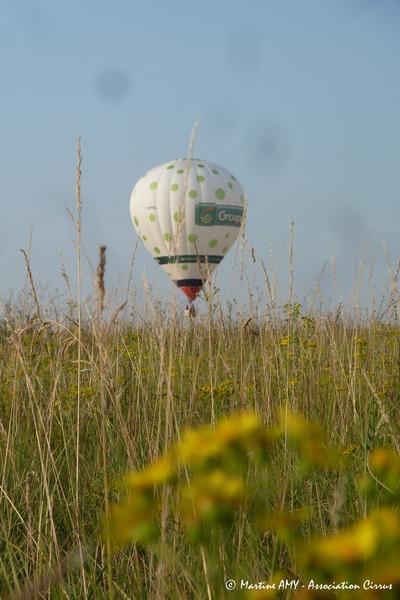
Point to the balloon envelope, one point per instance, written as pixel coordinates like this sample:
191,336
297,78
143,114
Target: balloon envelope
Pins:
188,212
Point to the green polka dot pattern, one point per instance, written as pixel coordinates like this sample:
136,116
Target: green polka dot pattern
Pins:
176,210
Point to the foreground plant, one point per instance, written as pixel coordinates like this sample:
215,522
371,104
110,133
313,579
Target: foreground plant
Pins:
239,500
206,472
208,476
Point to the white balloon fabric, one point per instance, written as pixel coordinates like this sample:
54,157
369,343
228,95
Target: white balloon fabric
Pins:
188,212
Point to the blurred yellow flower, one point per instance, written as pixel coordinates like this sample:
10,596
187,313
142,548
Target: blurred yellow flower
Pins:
353,545
243,432
362,542
237,428
198,446
308,439
160,472
297,426
387,520
211,497
383,459
385,463
131,521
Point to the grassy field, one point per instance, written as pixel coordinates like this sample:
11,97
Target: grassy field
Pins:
83,403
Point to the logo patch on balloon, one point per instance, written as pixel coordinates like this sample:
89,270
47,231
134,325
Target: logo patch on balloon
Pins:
208,214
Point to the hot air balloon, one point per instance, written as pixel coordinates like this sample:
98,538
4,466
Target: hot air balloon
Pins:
188,212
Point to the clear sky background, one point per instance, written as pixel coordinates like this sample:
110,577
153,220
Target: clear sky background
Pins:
299,99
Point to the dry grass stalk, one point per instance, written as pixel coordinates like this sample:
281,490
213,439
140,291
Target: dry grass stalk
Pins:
117,312
32,282
78,174
100,273
78,228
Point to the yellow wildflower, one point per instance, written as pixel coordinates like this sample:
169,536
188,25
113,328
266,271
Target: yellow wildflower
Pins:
198,446
131,521
297,426
385,462
237,428
211,497
353,545
344,547
158,473
308,440
383,459
388,523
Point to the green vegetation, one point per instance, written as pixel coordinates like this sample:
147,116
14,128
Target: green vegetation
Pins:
67,441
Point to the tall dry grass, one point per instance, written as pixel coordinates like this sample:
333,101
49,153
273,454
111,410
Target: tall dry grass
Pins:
140,385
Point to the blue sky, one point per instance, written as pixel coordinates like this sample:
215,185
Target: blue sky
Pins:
300,100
